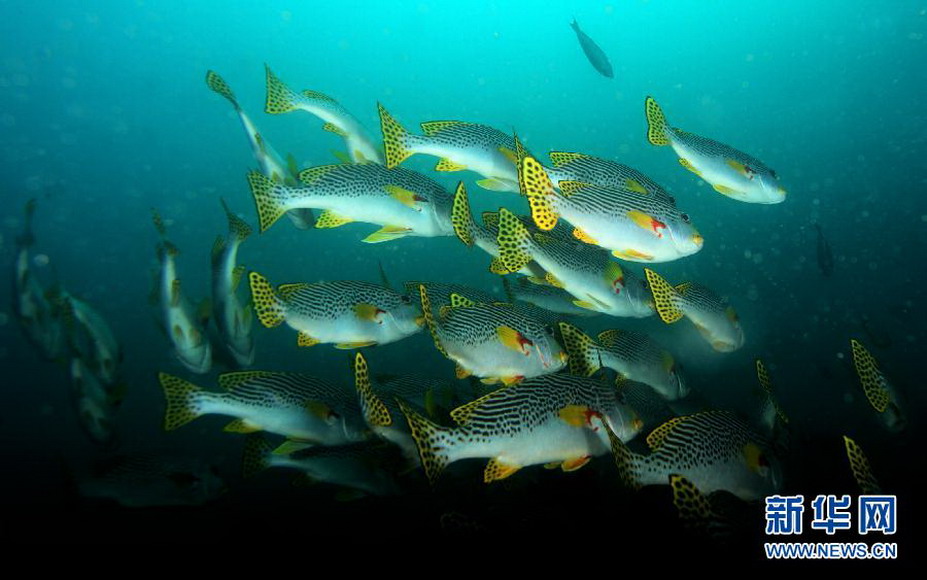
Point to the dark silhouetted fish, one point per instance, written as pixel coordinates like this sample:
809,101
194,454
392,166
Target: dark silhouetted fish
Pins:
825,257
596,55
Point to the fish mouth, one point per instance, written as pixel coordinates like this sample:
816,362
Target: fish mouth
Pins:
698,240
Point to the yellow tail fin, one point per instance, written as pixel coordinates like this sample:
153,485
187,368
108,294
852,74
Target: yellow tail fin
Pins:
656,123
218,85
868,372
428,439
429,318
582,350
394,138
694,508
280,99
461,218
267,305
514,241
375,412
664,297
237,226
624,458
860,466
265,199
534,183
256,456
182,401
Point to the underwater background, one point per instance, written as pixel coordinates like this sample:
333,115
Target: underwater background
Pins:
105,114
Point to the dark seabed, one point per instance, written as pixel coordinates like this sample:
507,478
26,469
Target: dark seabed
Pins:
105,115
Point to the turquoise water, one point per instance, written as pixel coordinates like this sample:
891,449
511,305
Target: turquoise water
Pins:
105,115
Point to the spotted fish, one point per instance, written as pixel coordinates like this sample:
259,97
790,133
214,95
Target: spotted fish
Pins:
186,333
714,450
773,419
587,272
458,145
634,356
294,405
544,296
90,335
634,226
349,313
545,420
281,99
881,393
271,163
730,172
714,318
597,171
232,318
492,341
404,202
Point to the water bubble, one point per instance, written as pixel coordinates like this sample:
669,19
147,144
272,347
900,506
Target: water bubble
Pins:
747,254
840,355
41,260
757,258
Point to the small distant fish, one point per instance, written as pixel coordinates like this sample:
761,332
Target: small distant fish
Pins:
714,450
349,313
367,466
187,335
587,272
730,172
232,318
492,341
404,202
859,464
634,356
153,480
544,296
825,257
881,393
544,420
294,405
90,335
773,419
597,57
714,318
96,407
634,226
38,318
280,99
271,163
459,145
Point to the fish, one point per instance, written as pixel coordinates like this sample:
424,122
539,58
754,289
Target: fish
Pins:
39,320
597,57
633,355
714,450
493,342
233,319
96,407
440,296
884,396
773,420
191,345
730,172
295,405
90,335
633,226
281,99
544,296
404,202
568,166
587,272
541,420
271,163
458,145
346,313
825,257
367,467
862,472
154,480
714,318
483,236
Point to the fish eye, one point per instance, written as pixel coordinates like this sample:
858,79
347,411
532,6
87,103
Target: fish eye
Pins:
672,200
685,217
750,172
549,330
773,174
405,299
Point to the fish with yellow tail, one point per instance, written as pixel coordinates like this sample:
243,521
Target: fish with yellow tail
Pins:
233,319
714,318
730,172
271,163
880,392
587,272
295,405
186,333
544,420
458,145
281,99
714,450
859,465
492,341
634,356
403,202
634,226
347,313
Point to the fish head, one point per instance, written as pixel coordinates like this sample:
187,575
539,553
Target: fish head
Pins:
765,187
764,471
624,421
546,348
406,315
686,239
